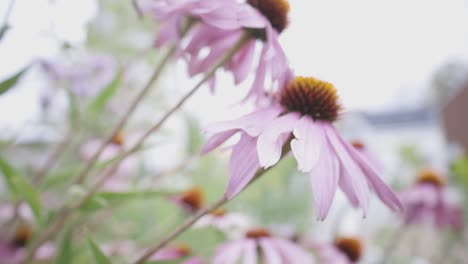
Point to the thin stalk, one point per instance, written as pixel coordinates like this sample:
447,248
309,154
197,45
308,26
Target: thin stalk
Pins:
64,213
84,171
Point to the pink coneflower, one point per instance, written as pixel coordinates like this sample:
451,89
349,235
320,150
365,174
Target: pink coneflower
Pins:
344,250
229,222
177,252
428,200
219,25
259,246
303,116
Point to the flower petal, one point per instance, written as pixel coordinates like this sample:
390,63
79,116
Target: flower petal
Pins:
269,252
357,177
307,143
291,252
243,165
249,17
270,142
347,187
382,190
243,62
216,140
250,252
324,179
252,123
228,253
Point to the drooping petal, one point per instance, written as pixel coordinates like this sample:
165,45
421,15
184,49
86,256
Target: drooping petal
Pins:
228,253
251,124
307,143
271,140
383,191
243,165
225,17
324,179
270,253
249,17
216,140
250,252
291,252
357,177
243,63
347,187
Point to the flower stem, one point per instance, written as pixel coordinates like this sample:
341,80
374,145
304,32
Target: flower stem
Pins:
180,229
64,213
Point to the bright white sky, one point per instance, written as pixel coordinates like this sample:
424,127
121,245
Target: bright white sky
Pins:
379,54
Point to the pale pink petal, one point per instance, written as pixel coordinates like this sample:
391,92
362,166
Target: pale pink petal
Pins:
216,140
251,124
324,179
244,62
307,143
250,252
291,252
167,254
357,177
271,140
382,190
225,17
228,253
347,187
243,165
167,32
269,252
258,85
194,260
249,17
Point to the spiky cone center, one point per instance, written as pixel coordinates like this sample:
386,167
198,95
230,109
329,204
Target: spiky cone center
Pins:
193,198
118,138
312,97
431,177
22,235
183,249
350,246
357,144
276,11
258,233
218,212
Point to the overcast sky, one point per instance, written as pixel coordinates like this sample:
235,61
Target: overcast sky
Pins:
379,54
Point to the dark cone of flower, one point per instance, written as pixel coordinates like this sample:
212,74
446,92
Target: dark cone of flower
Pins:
357,144
309,96
276,11
350,246
183,249
22,236
218,212
258,233
193,198
430,176
118,138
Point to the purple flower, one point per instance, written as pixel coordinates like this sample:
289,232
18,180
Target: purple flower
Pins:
344,250
259,246
220,24
176,253
302,116
428,201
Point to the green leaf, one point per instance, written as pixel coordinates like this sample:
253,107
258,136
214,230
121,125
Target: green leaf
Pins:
65,254
99,257
21,188
101,100
11,81
104,199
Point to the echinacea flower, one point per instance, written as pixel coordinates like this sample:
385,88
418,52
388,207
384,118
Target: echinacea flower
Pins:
120,180
219,25
428,201
302,119
259,246
191,200
229,222
178,252
344,250
13,248
86,76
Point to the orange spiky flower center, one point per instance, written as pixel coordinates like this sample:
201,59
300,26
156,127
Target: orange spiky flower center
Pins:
357,144
183,249
309,96
258,233
218,212
22,236
118,138
193,198
430,176
350,246
276,11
